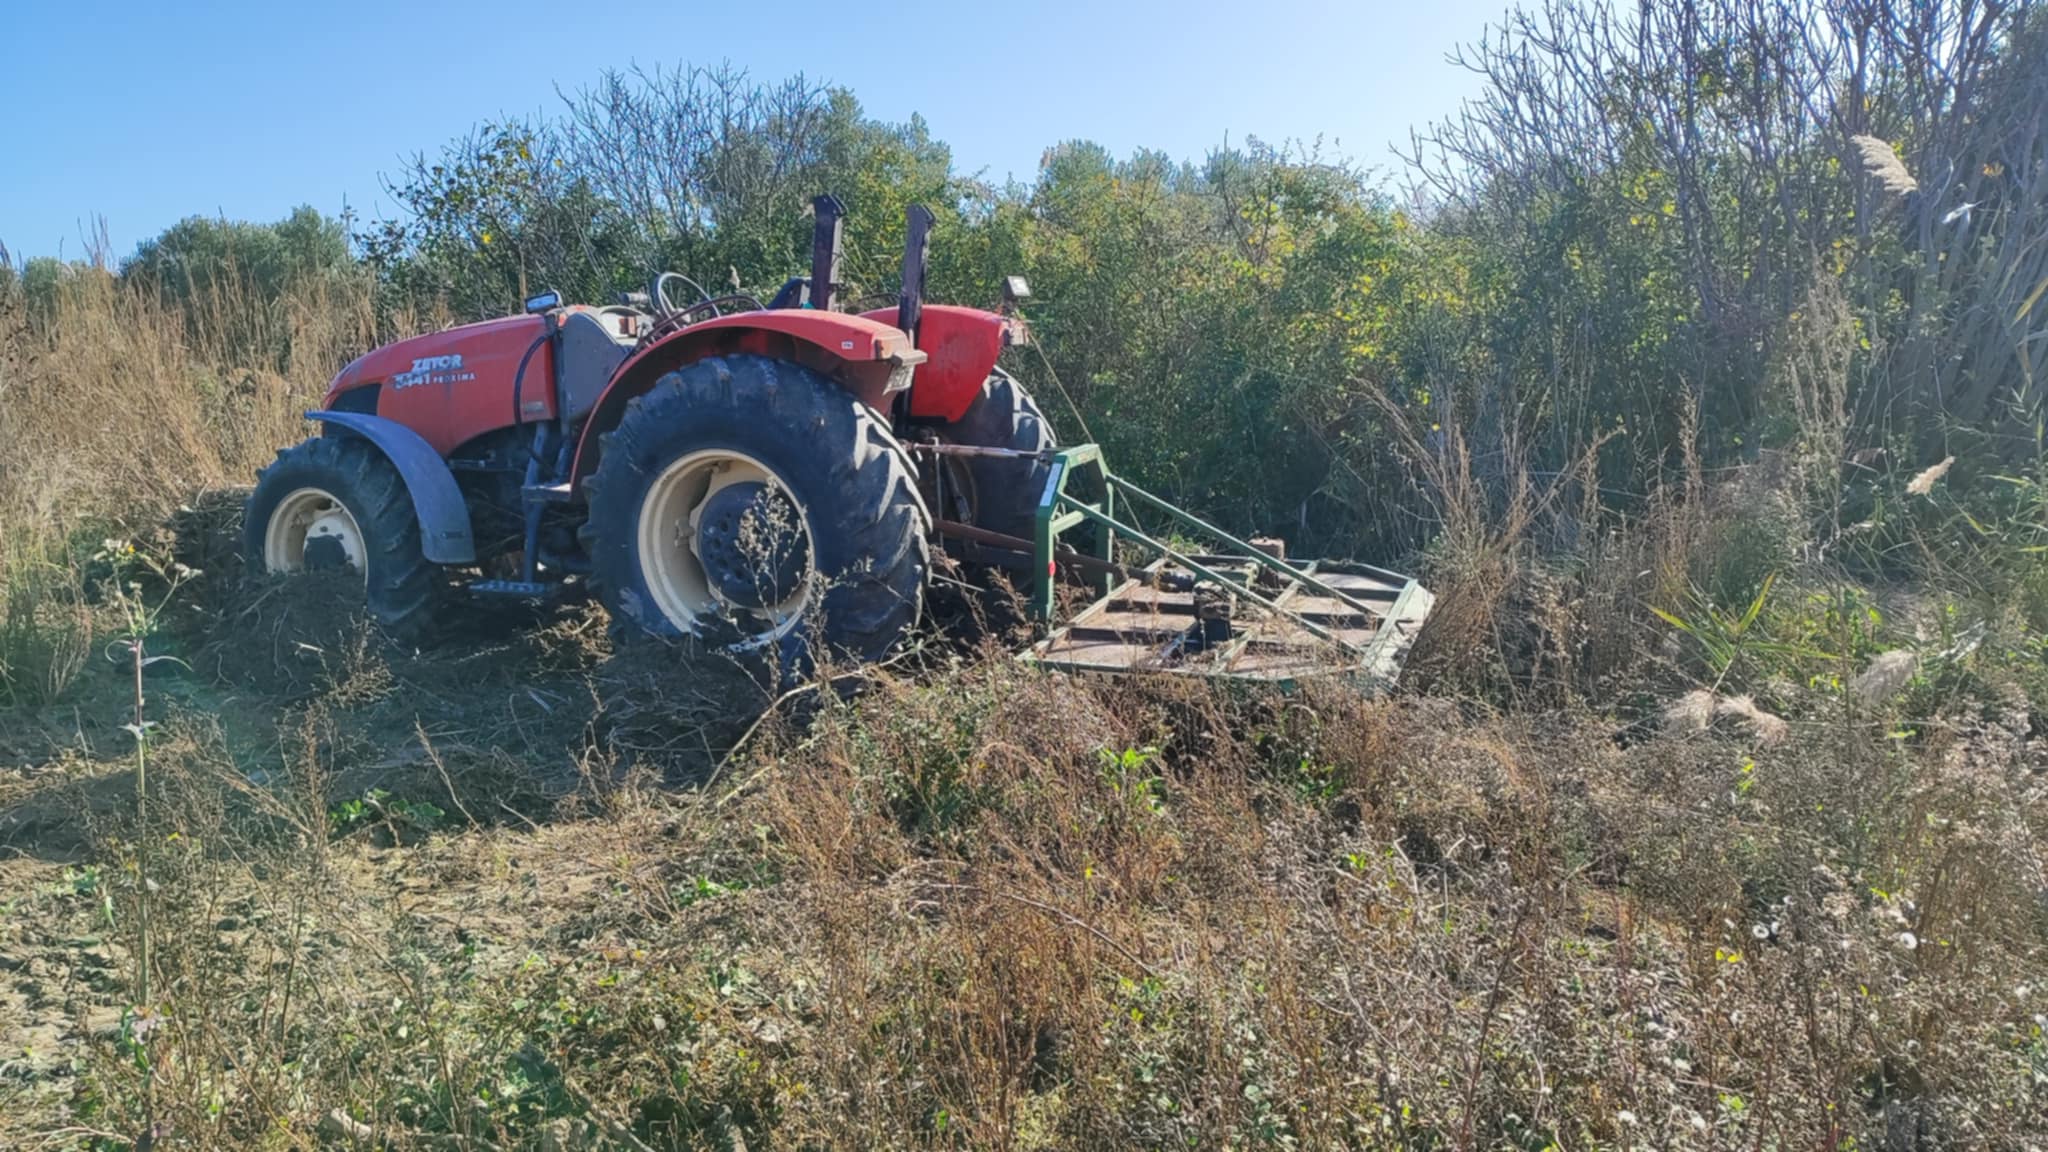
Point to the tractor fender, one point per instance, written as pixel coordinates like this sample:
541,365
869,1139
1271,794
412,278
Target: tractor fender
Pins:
869,359
436,500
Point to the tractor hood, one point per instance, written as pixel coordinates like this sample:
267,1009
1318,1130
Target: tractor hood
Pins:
456,384
452,355
960,346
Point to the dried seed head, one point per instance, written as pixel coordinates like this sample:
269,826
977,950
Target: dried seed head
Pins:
1884,166
1923,484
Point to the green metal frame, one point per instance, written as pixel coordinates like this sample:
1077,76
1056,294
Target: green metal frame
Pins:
1059,512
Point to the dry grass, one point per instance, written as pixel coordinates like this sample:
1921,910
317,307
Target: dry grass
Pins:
118,405
521,892
1015,910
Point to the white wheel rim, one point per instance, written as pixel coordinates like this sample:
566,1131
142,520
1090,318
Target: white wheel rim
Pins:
310,514
669,564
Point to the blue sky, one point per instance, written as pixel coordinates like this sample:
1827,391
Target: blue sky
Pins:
147,112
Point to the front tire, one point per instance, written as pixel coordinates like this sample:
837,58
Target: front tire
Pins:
742,500
335,504
1006,489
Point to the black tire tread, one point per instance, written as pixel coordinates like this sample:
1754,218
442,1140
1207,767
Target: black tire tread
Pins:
402,587
874,500
1006,490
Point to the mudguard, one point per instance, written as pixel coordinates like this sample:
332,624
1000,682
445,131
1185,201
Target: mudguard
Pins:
436,500
869,359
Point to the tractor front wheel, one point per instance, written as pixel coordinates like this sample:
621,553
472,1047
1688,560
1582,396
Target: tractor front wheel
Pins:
1004,490
753,505
334,504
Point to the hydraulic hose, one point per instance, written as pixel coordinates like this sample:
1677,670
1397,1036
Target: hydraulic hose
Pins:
519,379
519,388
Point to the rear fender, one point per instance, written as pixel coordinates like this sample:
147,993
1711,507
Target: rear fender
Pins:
960,346
436,500
869,359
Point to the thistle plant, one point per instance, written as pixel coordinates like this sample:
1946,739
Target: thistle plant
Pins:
139,617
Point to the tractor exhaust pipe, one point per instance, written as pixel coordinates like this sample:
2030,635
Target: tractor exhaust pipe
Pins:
918,221
825,251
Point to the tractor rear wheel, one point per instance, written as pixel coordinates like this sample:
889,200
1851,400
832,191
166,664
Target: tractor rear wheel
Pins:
1005,489
753,505
335,504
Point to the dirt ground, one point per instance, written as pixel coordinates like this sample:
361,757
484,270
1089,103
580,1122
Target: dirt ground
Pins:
519,890
504,740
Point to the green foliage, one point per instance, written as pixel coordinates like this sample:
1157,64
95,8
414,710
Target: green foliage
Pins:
378,806
700,171
46,624
493,222
1726,636
1209,322
42,279
199,257
2017,539
227,280
927,761
1129,775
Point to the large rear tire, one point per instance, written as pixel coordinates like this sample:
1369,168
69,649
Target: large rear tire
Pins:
1006,489
335,504
753,505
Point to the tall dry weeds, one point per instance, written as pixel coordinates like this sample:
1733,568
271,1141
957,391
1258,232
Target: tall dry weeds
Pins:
117,402
1815,355
1015,910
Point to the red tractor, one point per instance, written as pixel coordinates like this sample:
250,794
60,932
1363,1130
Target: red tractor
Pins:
717,468
761,477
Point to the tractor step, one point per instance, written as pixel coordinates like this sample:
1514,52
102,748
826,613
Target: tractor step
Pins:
547,493
518,589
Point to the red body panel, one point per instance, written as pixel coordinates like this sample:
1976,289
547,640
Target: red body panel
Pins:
456,385
960,347
453,386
